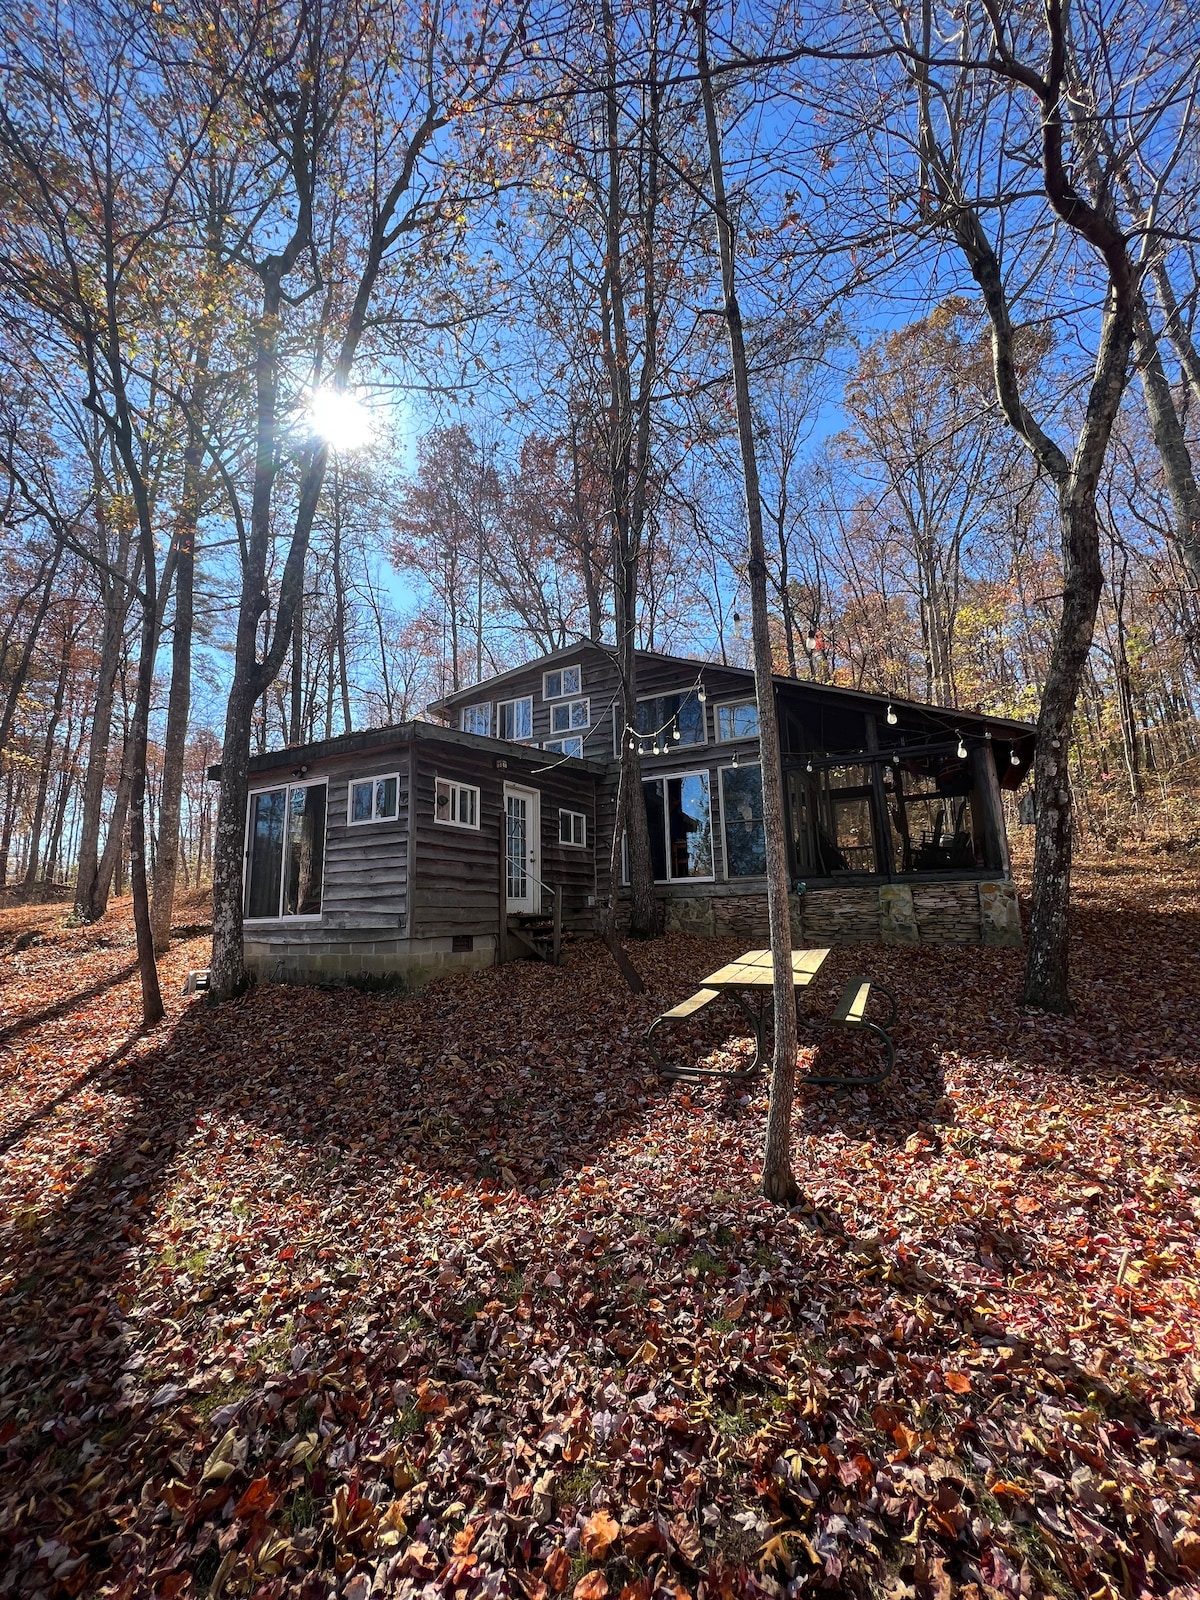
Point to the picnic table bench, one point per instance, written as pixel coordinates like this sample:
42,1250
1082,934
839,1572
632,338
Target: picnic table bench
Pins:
753,974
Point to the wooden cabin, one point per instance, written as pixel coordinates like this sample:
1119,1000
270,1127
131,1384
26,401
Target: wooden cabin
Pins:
430,846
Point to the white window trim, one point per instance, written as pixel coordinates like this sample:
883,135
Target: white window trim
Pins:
573,844
754,877
570,694
550,745
269,788
672,746
734,738
669,777
576,700
477,705
452,822
523,699
365,822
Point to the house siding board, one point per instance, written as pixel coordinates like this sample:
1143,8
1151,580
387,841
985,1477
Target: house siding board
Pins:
366,864
457,870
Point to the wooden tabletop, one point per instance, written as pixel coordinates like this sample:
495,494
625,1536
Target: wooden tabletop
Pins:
755,970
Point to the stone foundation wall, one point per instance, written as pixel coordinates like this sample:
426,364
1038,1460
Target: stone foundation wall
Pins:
953,912
337,957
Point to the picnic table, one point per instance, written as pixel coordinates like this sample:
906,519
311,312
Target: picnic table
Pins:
752,976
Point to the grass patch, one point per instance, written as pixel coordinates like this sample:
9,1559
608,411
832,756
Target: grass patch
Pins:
734,1425
576,1488
300,1511
407,1423
705,1264
225,1394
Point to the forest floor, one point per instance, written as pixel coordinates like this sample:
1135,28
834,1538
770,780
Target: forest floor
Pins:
326,1293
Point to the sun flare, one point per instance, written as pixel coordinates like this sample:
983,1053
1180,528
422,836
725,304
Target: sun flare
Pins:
340,418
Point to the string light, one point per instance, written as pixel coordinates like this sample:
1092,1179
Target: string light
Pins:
701,694
891,716
735,760
962,748
676,735
810,641
1014,759
809,767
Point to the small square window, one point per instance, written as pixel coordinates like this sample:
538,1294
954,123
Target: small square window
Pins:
572,828
562,683
374,799
456,804
738,721
570,714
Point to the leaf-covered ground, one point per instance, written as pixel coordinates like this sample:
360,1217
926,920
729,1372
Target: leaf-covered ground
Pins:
329,1293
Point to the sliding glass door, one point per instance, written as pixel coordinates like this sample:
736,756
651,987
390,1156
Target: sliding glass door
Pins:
286,852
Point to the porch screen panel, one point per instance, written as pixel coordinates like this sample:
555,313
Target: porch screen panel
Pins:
266,853
306,851
745,841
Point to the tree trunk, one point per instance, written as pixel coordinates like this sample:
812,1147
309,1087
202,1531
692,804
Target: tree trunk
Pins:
778,1180
39,804
180,699
89,902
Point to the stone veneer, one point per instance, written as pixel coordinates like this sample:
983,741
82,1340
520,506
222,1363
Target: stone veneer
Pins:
950,912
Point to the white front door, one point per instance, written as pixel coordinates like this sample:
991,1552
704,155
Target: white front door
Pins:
523,847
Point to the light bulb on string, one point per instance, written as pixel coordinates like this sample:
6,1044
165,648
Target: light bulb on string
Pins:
676,735
1014,759
891,716
809,765
701,694
962,748
735,760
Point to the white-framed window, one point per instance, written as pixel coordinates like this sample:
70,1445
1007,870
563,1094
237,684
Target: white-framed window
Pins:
572,828
373,799
514,719
455,804
285,851
568,715
738,719
571,746
742,821
562,682
477,719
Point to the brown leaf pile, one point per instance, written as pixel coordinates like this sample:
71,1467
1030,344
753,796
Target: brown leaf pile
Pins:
328,1293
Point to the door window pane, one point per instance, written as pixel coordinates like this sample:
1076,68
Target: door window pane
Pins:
853,836
305,851
517,811
266,853
745,841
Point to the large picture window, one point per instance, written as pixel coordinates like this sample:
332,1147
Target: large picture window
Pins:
679,813
663,717
742,814
287,852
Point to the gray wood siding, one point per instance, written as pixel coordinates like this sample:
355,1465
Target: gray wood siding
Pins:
366,864
456,886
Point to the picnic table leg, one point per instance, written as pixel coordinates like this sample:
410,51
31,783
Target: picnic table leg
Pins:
668,1071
